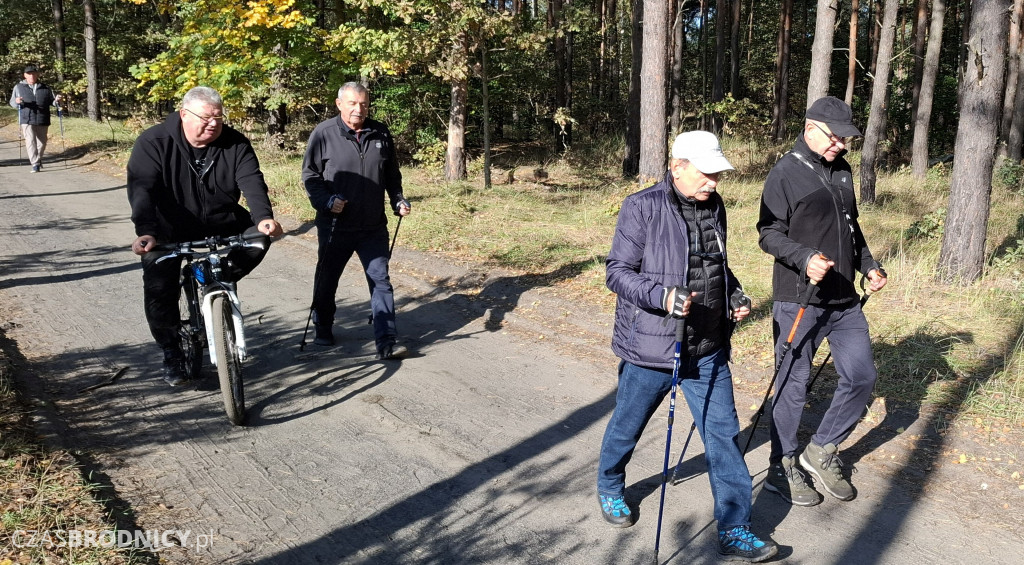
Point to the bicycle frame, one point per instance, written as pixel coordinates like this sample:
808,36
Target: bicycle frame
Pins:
217,249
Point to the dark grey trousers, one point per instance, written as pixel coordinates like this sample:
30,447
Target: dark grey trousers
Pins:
847,333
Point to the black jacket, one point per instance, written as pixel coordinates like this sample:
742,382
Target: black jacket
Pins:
35,104
175,201
708,321
336,164
808,206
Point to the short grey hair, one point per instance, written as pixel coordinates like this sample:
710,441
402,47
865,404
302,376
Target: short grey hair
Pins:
353,85
203,95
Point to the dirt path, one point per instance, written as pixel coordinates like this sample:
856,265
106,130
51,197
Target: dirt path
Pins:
479,448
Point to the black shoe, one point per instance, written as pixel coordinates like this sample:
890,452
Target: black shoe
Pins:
392,351
174,372
740,544
615,511
324,335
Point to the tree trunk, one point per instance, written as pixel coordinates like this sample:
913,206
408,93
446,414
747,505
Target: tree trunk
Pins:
919,155
874,32
962,257
58,38
718,85
876,117
652,87
277,120
821,50
612,92
485,107
702,43
455,159
1015,140
631,159
678,51
92,74
554,23
781,106
1012,86
851,67
920,25
734,51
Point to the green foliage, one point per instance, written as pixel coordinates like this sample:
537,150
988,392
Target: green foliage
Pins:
1010,175
928,227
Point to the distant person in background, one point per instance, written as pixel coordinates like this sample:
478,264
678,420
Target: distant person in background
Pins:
349,166
33,100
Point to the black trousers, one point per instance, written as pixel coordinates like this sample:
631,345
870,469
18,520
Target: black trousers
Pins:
161,286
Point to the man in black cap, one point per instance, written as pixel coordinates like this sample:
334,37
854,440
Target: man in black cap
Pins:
809,224
33,100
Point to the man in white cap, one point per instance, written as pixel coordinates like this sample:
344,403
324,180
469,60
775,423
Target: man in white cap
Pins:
668,259
809,225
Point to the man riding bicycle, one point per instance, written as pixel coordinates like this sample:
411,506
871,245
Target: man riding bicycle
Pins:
185,179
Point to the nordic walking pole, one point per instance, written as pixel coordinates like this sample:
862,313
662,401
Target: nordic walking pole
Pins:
863,300
316,281
63,148
804,300
395,238
744,300
676,361
21,133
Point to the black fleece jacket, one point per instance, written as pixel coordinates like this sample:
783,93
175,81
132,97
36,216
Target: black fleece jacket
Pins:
174,200
808,206
358,171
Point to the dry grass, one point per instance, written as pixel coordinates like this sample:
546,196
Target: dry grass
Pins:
44,493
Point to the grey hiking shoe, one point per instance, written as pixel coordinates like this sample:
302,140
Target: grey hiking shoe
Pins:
788,481
824,464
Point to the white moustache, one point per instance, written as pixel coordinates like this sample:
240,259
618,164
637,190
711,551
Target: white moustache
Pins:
708,190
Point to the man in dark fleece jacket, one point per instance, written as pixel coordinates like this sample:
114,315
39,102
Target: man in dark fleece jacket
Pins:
669,257
185,179
809,224
348,167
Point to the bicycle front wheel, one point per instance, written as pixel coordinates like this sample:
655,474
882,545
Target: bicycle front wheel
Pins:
229,368
191,328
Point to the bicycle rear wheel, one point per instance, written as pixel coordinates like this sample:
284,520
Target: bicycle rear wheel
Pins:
191,329
229,368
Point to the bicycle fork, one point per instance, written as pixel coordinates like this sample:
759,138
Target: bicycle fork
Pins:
236,321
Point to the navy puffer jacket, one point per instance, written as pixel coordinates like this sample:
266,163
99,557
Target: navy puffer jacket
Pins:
650,251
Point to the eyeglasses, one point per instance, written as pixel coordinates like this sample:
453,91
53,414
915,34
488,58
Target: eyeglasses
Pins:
835,140
207,119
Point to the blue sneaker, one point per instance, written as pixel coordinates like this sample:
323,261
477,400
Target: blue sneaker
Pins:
615,511
740,544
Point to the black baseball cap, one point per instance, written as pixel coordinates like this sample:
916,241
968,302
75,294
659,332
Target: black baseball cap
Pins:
836,114
31,69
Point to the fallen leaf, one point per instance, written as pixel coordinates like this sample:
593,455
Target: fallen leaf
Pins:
900,430
963,458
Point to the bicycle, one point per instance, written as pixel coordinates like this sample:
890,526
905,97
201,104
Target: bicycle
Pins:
211,314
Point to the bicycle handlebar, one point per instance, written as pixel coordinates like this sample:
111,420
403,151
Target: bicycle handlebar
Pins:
215,244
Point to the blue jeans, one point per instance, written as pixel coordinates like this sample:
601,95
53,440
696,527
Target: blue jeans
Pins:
371,246
848,338
706,383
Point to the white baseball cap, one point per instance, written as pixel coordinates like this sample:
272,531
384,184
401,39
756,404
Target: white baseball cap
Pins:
703,150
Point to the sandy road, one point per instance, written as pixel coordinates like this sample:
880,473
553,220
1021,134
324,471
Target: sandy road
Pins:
480,447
